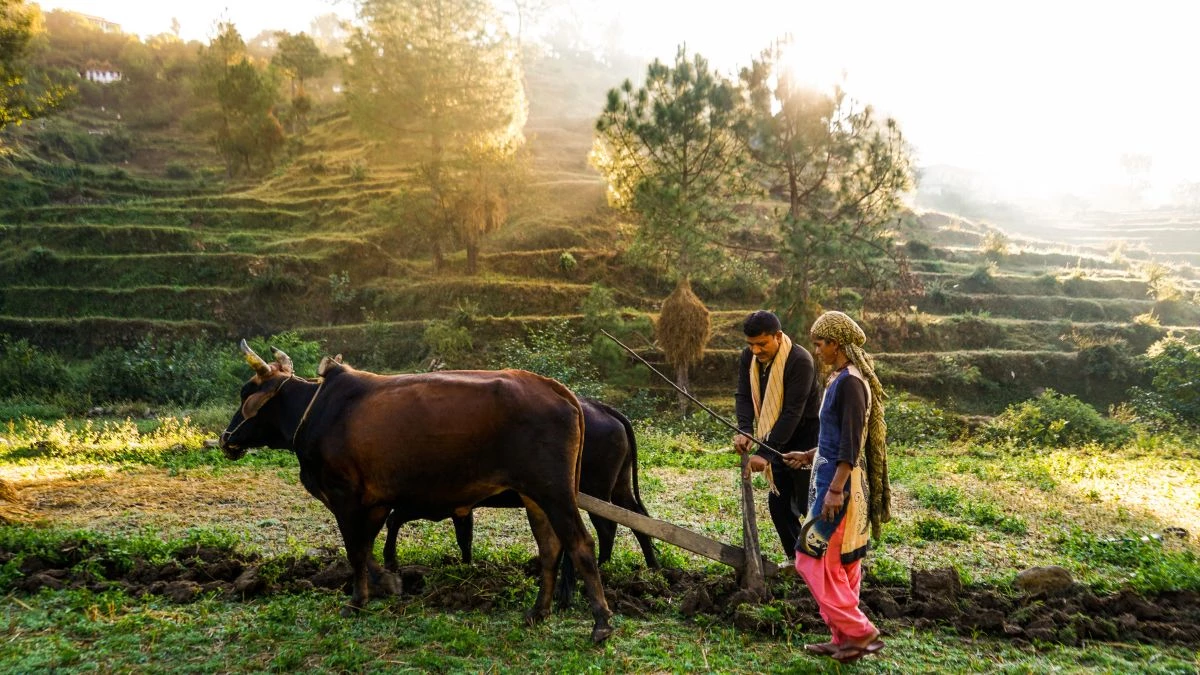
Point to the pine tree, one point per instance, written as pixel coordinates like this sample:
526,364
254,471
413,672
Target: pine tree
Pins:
671,159
440,82
840,173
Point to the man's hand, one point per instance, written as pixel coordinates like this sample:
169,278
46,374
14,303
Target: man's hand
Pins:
742,444
799,460
755,465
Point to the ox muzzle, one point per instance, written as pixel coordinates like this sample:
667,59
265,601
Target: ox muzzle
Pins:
232,452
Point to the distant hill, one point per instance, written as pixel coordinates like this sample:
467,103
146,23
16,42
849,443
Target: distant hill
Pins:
97,254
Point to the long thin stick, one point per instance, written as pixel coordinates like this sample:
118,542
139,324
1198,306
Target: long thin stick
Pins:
693,399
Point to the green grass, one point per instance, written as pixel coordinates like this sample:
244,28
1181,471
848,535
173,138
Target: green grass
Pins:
79,630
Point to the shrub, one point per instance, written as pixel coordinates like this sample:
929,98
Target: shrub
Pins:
940,529
989,515
915,423
26,371
446,340
186,372
918,250
567,263
179,171
1151,566
555,351
946,500
982,278
995,245
341,292
1175,366
883,570
1054,421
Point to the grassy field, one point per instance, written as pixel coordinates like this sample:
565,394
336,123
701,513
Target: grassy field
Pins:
146,490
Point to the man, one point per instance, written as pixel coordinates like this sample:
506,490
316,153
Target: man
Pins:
850,499
777,401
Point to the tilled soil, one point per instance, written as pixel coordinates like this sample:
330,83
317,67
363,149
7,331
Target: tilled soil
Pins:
934,598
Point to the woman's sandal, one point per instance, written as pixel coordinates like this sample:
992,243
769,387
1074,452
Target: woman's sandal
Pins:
822,649
851,653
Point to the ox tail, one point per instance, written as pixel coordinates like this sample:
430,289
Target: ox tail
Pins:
637,494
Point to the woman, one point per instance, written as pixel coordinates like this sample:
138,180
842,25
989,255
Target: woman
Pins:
849,497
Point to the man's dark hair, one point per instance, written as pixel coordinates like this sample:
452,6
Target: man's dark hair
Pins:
761,322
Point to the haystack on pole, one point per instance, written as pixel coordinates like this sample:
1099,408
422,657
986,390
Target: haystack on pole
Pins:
682,332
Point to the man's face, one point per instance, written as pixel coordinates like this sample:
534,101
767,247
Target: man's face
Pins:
764,347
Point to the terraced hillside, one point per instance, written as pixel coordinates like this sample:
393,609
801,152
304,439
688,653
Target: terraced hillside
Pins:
319,247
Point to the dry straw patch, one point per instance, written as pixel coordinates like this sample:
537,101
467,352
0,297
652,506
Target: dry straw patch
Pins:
684,326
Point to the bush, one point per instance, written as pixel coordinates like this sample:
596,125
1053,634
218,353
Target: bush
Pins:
1151,566
1054,421
946,500
555,351
989,515
1175,366
179,171
915,423
186,372
26,371
446,340
940,529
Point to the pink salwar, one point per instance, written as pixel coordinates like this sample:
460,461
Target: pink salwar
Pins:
835,587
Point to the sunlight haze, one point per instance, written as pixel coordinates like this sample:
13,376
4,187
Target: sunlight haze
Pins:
1036,98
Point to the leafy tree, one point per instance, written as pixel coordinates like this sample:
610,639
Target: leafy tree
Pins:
439,80
840,174
246,132
672,160
22,96
300,59
329,33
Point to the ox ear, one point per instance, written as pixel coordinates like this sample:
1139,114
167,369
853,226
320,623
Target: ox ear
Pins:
256,401
256,362
326,363
337,359
284,361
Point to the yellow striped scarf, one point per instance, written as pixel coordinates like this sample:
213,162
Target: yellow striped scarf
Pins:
769,404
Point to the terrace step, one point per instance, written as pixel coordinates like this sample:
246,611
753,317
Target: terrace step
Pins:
46,268
209,218
86,337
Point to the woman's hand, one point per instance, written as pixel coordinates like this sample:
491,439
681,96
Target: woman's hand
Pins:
799,460
832,504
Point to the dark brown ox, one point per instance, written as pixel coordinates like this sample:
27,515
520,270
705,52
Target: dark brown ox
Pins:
609,472
426,445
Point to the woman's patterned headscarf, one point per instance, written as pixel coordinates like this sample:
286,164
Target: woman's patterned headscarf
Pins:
841,329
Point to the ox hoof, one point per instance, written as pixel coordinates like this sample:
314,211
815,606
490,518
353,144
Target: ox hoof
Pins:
349,611
533,617
601,633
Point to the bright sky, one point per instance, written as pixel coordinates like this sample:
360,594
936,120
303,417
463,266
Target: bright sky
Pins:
1038,95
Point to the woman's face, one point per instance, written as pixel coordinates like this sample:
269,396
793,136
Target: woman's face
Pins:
826,350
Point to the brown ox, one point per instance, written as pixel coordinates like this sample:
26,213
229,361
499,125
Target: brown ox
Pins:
427,445
608,472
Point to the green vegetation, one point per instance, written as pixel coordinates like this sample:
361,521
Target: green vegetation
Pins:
1054,421
134,259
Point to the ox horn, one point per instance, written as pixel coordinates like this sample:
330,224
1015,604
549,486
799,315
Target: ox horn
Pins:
256,362
284,361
